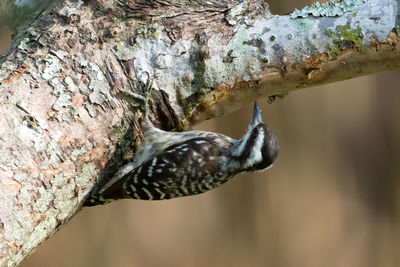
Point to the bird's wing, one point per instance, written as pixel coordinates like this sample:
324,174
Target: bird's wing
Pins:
186,168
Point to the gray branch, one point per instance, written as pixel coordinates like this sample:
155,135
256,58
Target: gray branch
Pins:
66,118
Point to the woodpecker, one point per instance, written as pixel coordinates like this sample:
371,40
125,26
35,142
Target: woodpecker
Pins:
177,164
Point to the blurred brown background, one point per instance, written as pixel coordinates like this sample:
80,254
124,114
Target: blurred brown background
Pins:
331,199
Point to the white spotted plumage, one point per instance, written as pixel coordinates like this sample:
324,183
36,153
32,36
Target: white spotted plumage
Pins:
175,164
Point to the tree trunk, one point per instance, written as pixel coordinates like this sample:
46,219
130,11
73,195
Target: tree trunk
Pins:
66,120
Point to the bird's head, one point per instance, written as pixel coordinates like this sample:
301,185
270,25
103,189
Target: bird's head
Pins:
258,148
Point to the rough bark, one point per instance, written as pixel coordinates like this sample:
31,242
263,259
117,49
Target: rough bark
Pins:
65,118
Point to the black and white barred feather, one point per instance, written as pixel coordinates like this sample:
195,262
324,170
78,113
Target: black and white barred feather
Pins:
176,164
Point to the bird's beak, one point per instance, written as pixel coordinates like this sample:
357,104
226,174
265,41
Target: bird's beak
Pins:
256,116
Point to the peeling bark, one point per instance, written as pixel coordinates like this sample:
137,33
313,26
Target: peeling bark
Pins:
65,119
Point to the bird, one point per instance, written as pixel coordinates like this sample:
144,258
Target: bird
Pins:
169,165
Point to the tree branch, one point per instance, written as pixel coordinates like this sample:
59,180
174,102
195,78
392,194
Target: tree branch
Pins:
64,120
